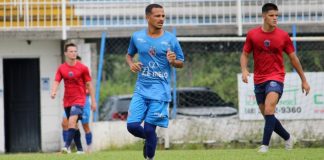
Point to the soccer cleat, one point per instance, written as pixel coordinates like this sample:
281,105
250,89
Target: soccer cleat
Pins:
289,144
79,152
263,149
144,150
66,150
149,158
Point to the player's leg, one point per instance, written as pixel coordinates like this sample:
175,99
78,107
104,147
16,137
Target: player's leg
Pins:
157,115
277,87
260,95
278,127
75,113
136,114
65,127
273,91
270,120
85,123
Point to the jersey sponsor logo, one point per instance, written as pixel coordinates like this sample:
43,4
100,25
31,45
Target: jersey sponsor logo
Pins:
266,43
148,71
70,74
153,65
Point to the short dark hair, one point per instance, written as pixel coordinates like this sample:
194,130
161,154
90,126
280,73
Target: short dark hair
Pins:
148,9
69,45
269,6
78,58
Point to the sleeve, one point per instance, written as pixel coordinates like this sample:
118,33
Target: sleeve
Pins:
86,74
58,75
178,50
289,47
248,44
132,50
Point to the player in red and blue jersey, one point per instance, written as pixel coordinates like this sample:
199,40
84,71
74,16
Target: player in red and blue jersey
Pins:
268,42
76,80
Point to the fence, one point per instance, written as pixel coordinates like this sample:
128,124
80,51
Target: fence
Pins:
211,63
215,63
69,15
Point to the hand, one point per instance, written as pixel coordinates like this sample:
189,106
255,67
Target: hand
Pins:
171,56
305,87
136,67
93,106
245,75
53,94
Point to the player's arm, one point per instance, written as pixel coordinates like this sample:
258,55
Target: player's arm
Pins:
296,64
54,89
244,62
92,95
171,56
134,66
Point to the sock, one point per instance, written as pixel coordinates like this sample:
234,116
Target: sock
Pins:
70,136
281,131
270,122
65,135
136,129
151,139
88,137
77,140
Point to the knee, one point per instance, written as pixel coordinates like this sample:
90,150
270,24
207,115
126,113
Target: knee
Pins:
65,125
149,130
131,127
269,111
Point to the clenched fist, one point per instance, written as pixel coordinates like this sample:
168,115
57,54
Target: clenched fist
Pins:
136,67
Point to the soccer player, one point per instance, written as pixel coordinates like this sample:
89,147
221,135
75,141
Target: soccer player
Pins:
85,124
76,80
268,42
158,51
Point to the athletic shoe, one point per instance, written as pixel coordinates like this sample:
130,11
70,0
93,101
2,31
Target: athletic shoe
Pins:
263,149
289,144
144,149
66,150
149,159
79,152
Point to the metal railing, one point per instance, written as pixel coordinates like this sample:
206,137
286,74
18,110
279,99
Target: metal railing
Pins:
93,14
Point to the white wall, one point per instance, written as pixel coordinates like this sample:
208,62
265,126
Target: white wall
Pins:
49,54
219,130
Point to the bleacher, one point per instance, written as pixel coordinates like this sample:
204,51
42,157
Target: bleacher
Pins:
35,14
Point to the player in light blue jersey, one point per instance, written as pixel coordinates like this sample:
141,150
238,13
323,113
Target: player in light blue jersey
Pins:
158,51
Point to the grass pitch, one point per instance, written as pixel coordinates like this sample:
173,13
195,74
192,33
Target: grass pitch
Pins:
215,154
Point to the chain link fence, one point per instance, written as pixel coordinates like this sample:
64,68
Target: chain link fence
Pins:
208,79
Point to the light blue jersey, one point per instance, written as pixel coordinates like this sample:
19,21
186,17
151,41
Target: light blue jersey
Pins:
153,81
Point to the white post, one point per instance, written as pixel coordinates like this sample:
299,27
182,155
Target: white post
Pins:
239,18
64,20
27,13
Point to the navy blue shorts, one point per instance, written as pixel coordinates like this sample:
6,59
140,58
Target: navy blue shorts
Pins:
74,110
261,90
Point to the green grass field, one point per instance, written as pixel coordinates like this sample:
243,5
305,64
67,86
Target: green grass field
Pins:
218,154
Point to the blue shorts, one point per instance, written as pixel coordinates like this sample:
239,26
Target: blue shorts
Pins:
86,112
261,90
151,111
74,110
